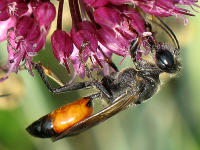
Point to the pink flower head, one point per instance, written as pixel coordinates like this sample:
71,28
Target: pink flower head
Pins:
10,8
4,15
79,68
62,47
5,26
85,46
85,38
162,8
100,28
29,35
96,3
25,40
100,3
185,2
116,23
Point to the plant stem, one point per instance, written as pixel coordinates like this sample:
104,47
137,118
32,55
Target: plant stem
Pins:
60,13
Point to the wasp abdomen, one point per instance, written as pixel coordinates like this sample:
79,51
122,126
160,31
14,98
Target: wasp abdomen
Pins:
61,119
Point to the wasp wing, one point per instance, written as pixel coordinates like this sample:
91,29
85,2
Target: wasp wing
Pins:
121,103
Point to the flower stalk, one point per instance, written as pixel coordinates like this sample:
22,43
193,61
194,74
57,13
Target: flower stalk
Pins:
75,13
60,15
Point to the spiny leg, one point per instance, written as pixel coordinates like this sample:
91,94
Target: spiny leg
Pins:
135,52
75,86
139,64
109,61
134,47
94,82
44,73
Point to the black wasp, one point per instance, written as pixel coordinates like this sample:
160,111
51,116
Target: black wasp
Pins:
120,90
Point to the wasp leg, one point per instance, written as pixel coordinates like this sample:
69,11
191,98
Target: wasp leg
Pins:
75,86
94,82
112,65
102,89
148,27
140,64
136,43
109,61
61,89
133,48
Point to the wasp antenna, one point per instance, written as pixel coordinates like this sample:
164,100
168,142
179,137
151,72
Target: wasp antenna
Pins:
168,30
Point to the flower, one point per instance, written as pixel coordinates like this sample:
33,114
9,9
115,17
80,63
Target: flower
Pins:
62,46
116,23
100,28
5,26
25,33
163,8
45,14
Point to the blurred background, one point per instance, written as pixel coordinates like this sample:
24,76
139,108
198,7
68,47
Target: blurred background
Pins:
169,120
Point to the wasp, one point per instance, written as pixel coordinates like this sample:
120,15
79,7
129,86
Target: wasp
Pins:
120,90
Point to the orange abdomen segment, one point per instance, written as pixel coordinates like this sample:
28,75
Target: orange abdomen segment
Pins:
70,114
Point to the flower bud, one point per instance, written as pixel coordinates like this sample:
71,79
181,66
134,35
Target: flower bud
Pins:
28,30
62,46
85,38
45,13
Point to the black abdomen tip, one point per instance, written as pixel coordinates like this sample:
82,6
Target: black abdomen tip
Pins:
42,128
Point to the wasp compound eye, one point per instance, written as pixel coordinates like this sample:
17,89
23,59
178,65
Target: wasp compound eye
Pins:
165,60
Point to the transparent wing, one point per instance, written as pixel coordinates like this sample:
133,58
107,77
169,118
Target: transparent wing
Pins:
120,104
